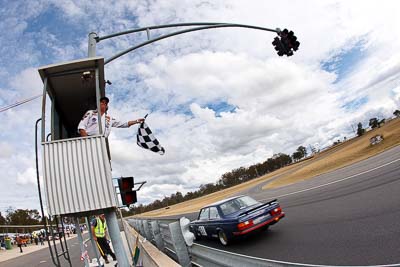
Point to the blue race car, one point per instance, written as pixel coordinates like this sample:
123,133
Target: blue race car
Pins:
234,217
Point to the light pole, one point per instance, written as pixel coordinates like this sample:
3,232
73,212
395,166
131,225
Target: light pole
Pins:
92,44
286,43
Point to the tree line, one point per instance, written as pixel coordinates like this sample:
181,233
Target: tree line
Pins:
229,179
20,217
374,123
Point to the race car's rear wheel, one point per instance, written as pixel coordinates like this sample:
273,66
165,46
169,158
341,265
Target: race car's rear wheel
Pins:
223,239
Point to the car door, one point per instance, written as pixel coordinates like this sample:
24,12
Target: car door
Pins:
203,221
214,221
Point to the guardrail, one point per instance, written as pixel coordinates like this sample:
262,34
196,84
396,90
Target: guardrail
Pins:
149,255
169,237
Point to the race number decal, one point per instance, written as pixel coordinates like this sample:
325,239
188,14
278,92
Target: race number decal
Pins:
202,230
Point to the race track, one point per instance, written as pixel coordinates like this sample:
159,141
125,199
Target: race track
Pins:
347,217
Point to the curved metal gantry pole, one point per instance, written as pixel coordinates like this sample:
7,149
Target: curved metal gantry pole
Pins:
198,26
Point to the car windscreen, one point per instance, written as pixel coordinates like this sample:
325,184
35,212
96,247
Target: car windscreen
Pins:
237,204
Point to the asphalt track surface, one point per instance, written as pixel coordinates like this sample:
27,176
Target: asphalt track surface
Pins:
42,258
347,217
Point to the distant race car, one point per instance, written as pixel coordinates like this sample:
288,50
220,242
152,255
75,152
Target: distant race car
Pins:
234,217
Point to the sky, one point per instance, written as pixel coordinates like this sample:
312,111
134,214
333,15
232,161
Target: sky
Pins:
217,99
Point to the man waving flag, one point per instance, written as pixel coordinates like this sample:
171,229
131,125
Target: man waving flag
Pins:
146,139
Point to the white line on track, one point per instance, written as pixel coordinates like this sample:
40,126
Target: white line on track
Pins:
334,182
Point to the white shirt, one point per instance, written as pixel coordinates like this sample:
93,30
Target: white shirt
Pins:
90,125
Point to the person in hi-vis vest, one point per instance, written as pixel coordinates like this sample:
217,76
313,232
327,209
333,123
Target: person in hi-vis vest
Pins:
99,233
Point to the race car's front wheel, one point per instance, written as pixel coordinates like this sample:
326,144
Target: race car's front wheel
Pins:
223,239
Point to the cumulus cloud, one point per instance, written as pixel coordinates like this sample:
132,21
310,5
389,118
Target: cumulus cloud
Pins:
396,93
217,99
6,150
28,177
27,83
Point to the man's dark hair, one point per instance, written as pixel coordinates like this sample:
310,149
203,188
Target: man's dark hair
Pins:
105,98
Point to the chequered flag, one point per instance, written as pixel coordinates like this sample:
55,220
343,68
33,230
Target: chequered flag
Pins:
146,139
